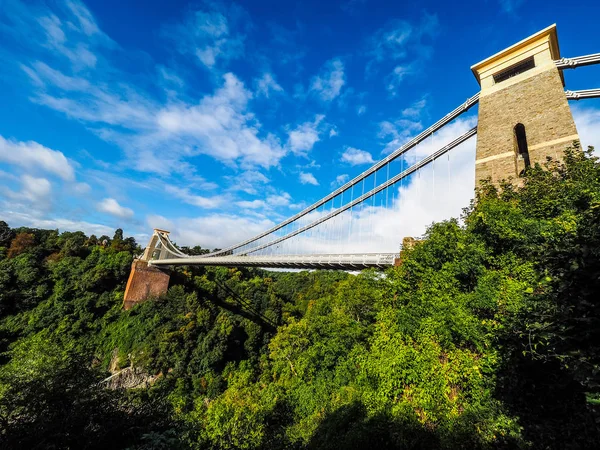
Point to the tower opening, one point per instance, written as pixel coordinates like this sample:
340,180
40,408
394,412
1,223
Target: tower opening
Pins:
522,151
514,70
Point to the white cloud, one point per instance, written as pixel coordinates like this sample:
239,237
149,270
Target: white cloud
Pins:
170,76
333,132
398,132
17,219
340,180
80,99
86,20
587,121
330,81
53,27
442,137
269,204
112,207
361,110
220,127
415,110
282,199
46,75
31,155
36,189
82,188
186,196
157,135
267,84
403,128
305,136
254,204
158,138
395,78
249,181
355,156
74,36
308,178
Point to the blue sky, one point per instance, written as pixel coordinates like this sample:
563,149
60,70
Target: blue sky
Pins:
219,119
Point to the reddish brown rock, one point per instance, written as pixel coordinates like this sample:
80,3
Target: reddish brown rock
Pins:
144,282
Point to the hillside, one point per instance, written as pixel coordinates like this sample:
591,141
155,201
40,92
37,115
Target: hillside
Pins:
485,337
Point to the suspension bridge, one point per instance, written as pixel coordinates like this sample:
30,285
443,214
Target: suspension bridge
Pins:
346,229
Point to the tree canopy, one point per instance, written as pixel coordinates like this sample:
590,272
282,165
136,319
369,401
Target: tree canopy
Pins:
485,337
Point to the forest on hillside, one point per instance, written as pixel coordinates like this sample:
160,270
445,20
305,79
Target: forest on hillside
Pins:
487,336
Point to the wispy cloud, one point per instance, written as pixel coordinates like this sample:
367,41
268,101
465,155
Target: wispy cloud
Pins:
254,204
328,84
587,121
31,155
188,197
355,157
397,131
112,207
211,34
15,218
282,199
415,110
219,125
36,189
400,48
339,180
250,181
74,36
270,202
302,139
308,178
85,19
266,85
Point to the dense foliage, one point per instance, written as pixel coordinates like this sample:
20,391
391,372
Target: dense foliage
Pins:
487,336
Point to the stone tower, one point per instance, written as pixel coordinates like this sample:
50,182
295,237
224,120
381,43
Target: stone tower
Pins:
524,115
147,281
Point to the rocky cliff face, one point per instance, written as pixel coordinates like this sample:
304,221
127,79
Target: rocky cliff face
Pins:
128,378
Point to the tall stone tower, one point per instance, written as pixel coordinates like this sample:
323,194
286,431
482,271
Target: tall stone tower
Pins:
524,115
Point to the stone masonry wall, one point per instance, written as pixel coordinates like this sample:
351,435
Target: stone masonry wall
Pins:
144,282
539,103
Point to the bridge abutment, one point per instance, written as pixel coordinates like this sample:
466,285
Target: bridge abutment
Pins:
144,282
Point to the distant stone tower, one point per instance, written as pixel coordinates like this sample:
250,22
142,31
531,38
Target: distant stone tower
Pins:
524,115
147,281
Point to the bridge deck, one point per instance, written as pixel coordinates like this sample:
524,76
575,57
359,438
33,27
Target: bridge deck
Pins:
342,262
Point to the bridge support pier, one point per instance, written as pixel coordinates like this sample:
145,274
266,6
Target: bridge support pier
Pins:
144,282
407,243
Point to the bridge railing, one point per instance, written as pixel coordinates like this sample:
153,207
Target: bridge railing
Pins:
340,261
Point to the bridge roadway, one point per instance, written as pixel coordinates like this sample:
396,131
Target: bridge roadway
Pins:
342,261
